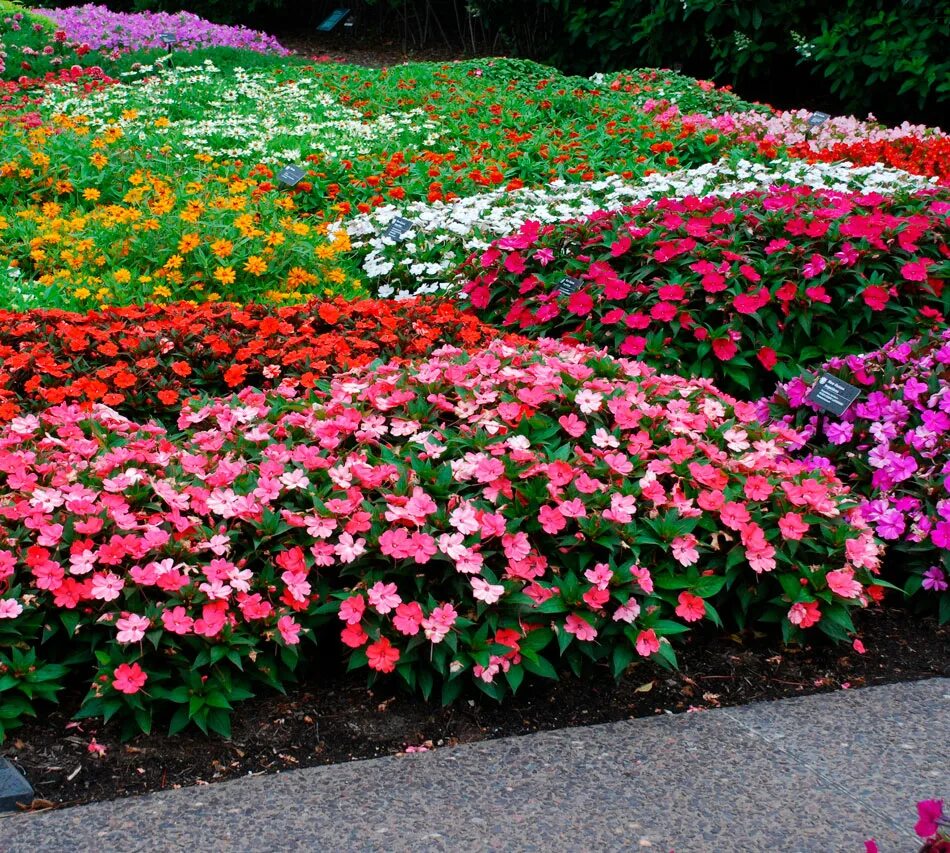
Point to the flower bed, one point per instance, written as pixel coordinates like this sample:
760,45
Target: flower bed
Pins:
738,288
893,448
492,515
101,28
146,361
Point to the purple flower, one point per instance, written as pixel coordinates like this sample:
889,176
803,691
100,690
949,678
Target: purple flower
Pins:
839,433
935,580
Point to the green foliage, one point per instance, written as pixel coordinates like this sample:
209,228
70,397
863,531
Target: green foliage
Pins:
869,50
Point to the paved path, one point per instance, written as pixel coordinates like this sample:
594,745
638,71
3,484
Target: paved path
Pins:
820,773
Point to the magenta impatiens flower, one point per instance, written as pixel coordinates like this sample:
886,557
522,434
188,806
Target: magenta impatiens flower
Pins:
929,812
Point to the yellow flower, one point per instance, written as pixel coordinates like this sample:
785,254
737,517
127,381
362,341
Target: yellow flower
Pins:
123,276
91,194
82,293
162,121
222,248
225,275
336,275
161,291
275,238
99,160
174,262
255,265
188,243
130,115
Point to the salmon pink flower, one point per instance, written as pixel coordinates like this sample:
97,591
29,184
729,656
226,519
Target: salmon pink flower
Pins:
691,608
793,526
408,618
804,614
647,643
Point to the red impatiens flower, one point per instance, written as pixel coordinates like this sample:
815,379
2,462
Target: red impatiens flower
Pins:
724,349
875,297
129,678
382,655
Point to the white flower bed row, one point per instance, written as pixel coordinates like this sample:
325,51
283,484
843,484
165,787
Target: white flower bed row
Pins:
245,115
444,234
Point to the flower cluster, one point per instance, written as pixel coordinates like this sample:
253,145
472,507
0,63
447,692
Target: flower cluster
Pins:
99,28
495,514
148,360
893,448
736,288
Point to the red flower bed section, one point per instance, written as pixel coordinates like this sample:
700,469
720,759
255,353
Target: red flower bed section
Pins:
148,359
930,156
741,289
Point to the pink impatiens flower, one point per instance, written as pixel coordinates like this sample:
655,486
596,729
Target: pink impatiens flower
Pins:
383,597
106,587
10,608
647,643
485,591
842,583
132,628
351,609
289,630
580,628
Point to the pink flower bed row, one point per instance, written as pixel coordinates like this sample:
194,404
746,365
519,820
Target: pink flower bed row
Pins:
461,519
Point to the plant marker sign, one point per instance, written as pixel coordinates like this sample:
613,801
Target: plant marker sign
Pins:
568,285
333,19
832,394
817,118
291,175
168,39
399,226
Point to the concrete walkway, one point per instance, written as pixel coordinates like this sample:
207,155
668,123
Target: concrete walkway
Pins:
820,773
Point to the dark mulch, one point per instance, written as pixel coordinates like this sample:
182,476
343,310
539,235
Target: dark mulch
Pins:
335,718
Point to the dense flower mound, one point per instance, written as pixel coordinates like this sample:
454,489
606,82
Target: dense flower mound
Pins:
742,288
484,515
893,448
99,27
146,361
